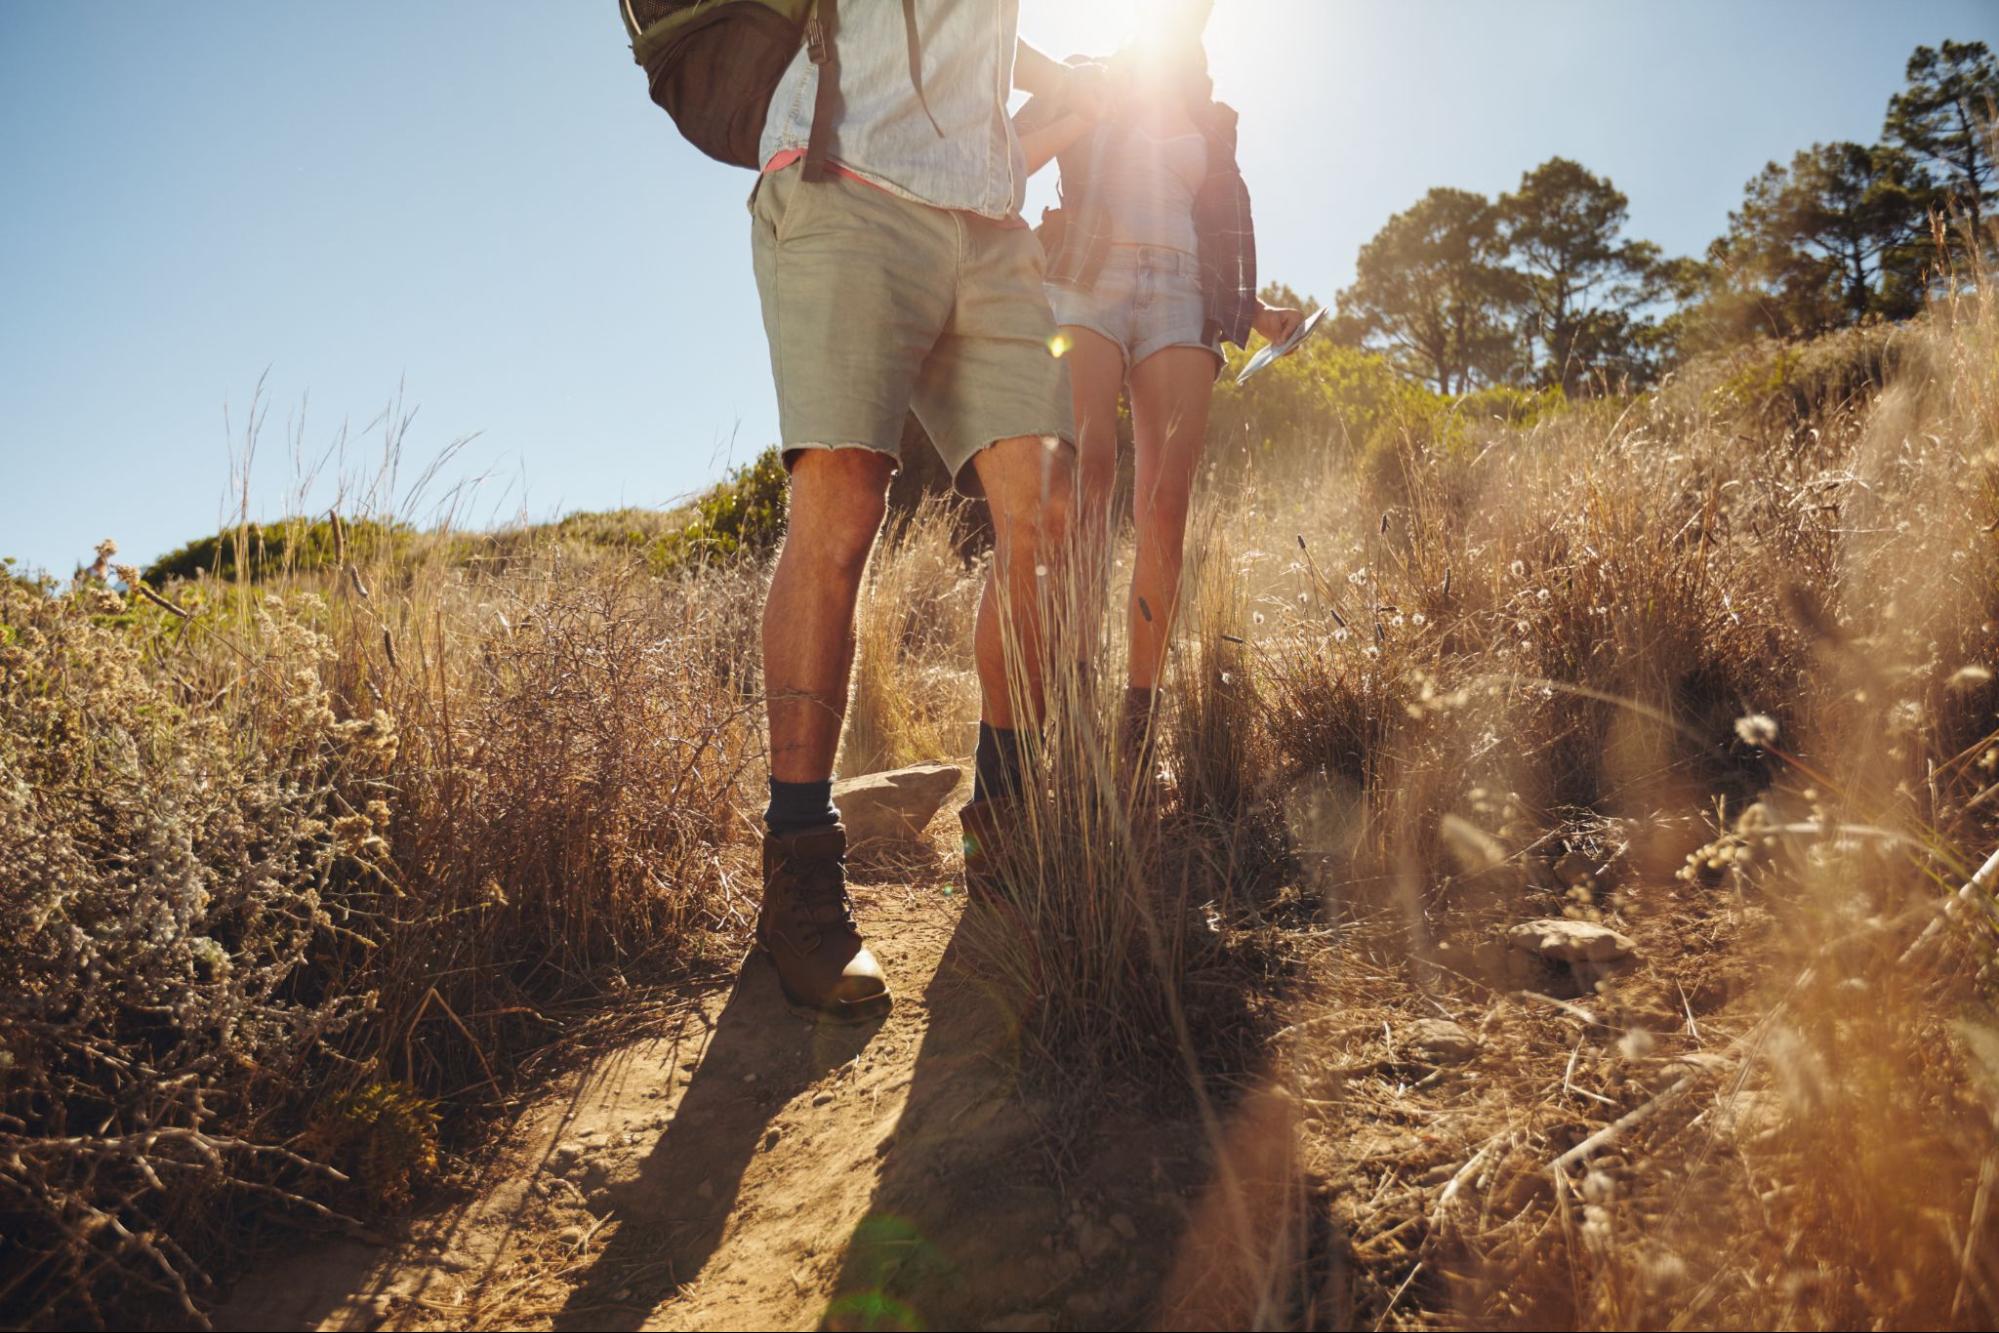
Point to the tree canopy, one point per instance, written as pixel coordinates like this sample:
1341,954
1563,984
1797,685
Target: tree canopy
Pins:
1543,287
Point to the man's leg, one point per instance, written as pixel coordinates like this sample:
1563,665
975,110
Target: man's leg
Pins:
853,304
807,922
837,503
1029,484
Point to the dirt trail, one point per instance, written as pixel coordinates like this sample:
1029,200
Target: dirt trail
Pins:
740,1167
746,1169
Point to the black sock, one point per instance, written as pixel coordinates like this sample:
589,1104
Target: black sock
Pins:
797,806
997,765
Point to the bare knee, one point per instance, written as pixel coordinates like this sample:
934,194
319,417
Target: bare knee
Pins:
1030,486
838,500
1097,466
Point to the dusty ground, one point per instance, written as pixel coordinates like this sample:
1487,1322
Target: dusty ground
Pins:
738,1167
742,1168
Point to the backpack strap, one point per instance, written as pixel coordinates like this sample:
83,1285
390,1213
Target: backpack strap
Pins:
915,44
820,30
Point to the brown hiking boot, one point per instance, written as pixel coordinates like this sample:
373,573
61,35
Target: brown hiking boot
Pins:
807,927
987,825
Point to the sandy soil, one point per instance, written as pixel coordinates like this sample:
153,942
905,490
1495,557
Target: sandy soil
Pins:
739,1167
743,1168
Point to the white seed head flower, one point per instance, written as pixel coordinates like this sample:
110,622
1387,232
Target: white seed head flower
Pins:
1970,677
1758,729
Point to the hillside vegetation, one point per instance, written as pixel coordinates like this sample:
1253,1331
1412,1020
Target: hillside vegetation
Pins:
312,866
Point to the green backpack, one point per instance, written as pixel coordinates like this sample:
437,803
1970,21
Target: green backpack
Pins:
713,65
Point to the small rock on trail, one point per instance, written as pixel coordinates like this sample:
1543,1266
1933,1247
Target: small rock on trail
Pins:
1557,939
896,804
1578,952
1439,1041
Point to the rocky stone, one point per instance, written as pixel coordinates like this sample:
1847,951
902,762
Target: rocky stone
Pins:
570,1237
1558,940
1439,1041
1566,957
894,805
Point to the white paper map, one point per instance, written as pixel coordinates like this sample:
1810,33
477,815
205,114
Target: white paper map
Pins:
1276,351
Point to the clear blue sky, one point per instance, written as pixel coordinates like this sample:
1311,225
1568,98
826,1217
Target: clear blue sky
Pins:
477,201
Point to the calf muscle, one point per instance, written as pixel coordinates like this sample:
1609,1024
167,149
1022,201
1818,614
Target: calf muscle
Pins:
1030,485
837,504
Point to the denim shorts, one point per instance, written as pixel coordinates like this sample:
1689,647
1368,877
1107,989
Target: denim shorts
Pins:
1146,299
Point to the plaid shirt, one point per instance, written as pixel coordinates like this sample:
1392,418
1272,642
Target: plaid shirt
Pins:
1081,236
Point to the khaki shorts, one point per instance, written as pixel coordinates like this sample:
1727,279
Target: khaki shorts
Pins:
875,305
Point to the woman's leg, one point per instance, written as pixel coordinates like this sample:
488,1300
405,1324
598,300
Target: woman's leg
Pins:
1096,377
1170,391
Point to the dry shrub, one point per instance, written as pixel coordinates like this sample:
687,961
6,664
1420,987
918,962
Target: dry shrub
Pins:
914,687
1130,937
1786,1114
171,863
1089,939
1480,686
302,864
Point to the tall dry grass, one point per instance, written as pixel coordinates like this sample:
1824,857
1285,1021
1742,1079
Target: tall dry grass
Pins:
304,871
915,695
1713,666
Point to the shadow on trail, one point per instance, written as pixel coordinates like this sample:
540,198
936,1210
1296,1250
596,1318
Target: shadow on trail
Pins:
672,1216
952,1235
1003,1203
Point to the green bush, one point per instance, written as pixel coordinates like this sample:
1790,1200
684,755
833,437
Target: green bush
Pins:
289,546
743,514
1795,383
1323,396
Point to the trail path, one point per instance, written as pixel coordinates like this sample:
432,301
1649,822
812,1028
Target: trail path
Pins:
744,1168
735,1166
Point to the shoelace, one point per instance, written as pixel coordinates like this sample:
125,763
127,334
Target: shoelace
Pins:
822,892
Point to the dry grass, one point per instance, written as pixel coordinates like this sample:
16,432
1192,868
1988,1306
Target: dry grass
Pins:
915,695
1717,676
298,864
